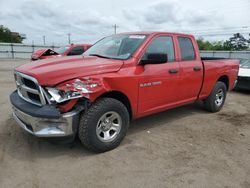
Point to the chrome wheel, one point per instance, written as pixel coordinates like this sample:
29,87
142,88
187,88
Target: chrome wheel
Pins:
108,126
219,97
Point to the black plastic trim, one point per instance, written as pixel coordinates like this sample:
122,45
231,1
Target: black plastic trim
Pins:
243,83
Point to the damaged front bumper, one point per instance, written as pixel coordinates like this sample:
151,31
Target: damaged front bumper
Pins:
45,121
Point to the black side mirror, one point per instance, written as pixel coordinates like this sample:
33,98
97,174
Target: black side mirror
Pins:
154,58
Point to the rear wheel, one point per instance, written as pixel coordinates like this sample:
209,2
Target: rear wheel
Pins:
216,99
104,125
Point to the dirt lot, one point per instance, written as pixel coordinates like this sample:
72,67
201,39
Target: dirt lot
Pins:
184,147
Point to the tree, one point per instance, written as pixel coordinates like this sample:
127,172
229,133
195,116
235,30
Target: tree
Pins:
206,45
219,45
237,42
7,36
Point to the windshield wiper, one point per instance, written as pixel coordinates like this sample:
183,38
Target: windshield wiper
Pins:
98,55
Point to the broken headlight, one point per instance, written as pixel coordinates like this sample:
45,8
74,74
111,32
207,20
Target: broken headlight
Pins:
71,90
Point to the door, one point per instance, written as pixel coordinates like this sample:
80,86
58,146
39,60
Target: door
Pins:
191,71
158,83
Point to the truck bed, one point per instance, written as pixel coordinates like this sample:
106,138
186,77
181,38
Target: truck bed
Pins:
214,67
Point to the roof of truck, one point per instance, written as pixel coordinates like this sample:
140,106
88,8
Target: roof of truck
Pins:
79,44
155,33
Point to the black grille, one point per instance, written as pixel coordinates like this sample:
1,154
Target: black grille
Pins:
29,83
34,97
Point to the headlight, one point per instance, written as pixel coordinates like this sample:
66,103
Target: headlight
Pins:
61,96
73,89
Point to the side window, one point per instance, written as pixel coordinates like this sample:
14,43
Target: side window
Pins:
76,51
187,49
162,45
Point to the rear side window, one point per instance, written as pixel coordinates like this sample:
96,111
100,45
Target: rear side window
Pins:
187,49
162,45
76,51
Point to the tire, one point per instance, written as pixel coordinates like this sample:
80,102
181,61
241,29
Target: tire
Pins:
217,97
104,125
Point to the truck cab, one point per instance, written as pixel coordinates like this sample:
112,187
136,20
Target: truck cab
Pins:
120,78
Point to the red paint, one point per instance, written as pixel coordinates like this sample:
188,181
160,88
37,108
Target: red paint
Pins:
68,106
174,90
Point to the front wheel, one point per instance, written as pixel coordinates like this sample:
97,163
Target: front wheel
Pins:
216,99
104,125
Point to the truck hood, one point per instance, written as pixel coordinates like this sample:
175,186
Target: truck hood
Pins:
43,53
50,72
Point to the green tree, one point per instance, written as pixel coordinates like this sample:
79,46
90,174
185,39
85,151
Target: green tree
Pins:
7,36
218,45
237,42
206,45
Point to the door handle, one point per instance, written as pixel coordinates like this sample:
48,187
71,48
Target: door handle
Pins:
197,68
173,71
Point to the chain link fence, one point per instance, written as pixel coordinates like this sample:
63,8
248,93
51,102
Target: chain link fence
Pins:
226,54
20,51
24,51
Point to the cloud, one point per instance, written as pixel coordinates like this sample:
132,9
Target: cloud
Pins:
40,18
89,21
162,12
41,8
169,15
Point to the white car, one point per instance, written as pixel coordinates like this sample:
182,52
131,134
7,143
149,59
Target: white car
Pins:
243,81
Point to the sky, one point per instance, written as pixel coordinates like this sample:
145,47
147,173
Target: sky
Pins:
87,21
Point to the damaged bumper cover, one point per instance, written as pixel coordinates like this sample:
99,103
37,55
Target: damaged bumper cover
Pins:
45,121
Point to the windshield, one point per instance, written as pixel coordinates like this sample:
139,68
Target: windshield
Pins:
116,46
245,64
63,49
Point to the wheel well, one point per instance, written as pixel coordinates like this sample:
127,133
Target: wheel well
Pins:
225,80
120,97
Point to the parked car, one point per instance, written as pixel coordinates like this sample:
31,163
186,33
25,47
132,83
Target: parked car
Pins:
72,49
120,78
243,81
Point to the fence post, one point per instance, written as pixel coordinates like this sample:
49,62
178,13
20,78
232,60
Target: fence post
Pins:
33,47
12,51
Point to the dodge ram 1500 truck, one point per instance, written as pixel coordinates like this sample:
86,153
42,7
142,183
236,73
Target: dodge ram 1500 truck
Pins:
120,78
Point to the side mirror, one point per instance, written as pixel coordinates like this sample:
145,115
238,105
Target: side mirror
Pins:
154,58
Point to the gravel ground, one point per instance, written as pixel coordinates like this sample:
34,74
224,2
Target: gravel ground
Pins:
183,147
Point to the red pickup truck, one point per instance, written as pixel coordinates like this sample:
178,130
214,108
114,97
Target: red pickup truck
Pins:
122,77
71,49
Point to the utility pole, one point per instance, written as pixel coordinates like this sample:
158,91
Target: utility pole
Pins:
33,48
44,40
69,37
115,28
